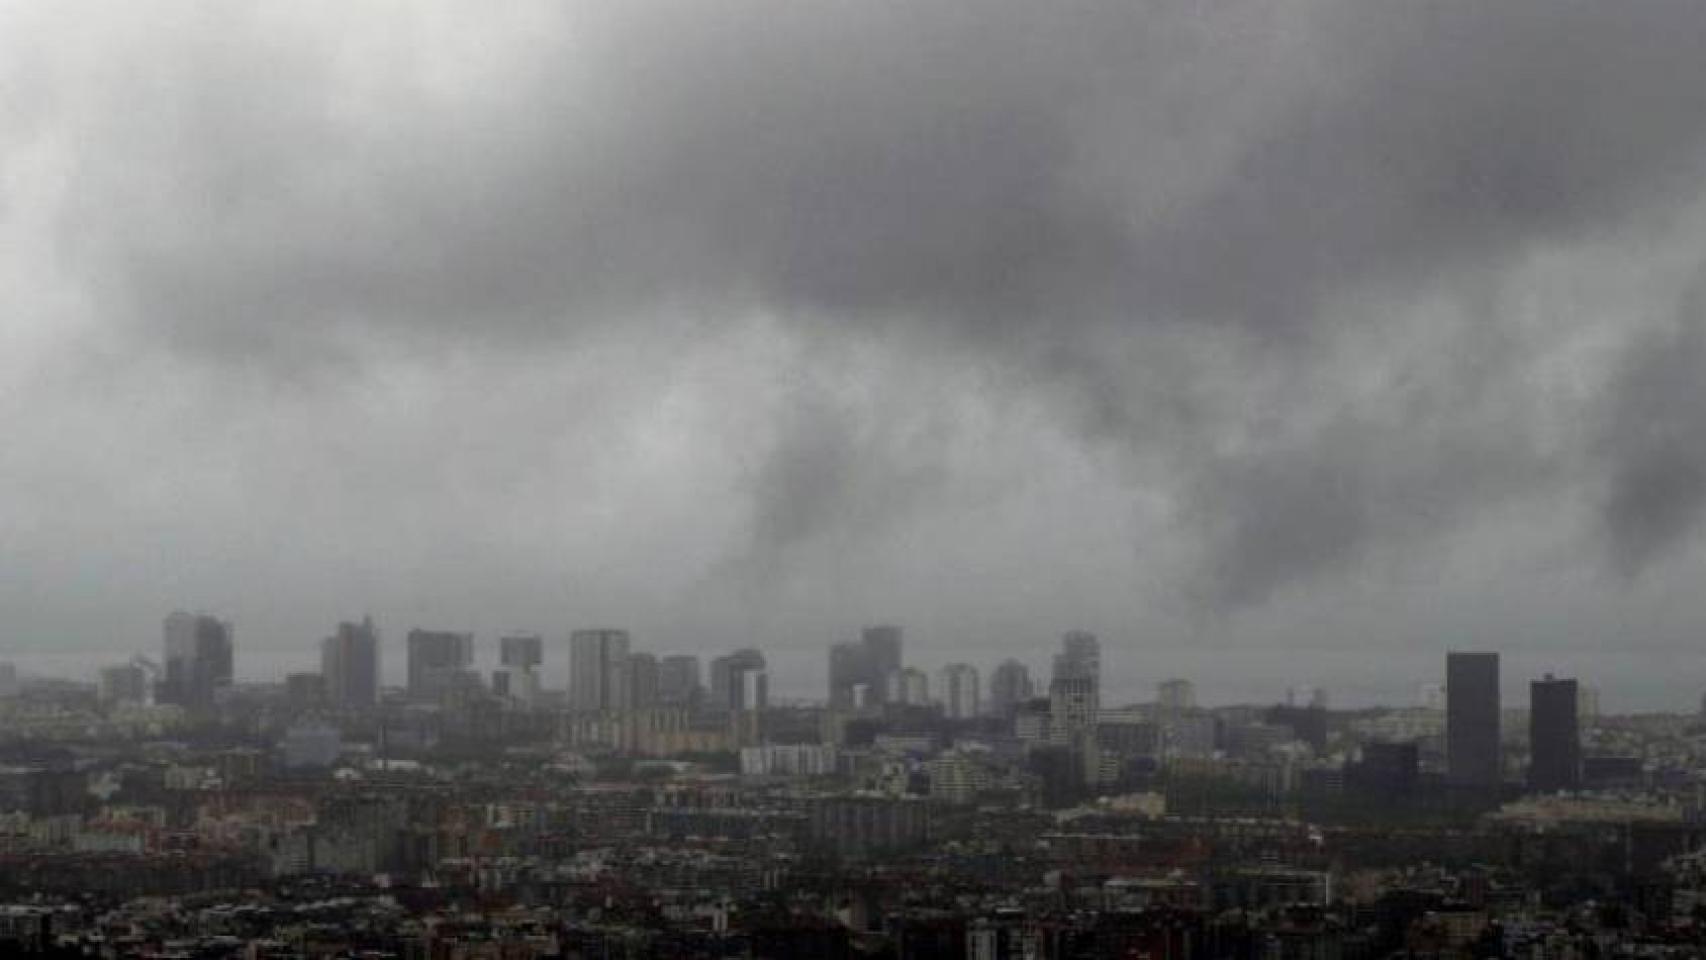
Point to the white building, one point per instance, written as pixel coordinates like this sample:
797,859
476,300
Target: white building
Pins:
788,760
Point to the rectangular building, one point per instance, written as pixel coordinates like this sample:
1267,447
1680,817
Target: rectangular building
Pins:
1472,720
1554,736
349,662
598,669
436,659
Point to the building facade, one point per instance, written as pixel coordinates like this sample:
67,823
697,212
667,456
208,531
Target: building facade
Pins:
1472,751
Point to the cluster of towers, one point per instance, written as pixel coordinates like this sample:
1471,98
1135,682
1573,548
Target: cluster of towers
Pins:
1474,758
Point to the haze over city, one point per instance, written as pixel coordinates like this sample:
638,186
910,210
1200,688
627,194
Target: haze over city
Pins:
1275,343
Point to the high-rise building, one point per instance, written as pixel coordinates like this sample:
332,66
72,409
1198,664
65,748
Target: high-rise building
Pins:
849,667
908,686
1175,696
598,669
124,683
960,693
884,644
678,679
1080,658
866,663
198,659
438,661
8,679
1009,686
1472,720
522,651
754,690
1072,707
1554,735
642,681
349,662
730,688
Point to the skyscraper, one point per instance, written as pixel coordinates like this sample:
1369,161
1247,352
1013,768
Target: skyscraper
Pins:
1009,686
678,679
730,687
522,651
908,686
642,681
864,664
1472,719
349,664
598,669
1080,658
1080,655
1554,735
850,666
437,658
1175,696
960,693
198,659
884,647
1072,707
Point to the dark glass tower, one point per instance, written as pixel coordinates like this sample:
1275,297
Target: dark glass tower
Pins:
1554,736
1472,719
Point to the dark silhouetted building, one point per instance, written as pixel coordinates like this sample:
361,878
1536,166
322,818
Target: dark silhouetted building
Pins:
437,659
522,651
642,681
349,664
1472,720
864,664
739,682
198,659
1554,736
1009,686
678,679
598,669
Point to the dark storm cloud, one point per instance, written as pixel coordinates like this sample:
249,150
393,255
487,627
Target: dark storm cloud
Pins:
1654,441
1106,200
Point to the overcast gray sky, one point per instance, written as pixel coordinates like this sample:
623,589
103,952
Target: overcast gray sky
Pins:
1277,341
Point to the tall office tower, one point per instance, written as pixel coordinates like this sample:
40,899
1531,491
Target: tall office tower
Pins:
8,679
960,693
1175,696
124,683
1009,686
521,651
1080,658
908,686
849,667
1554,735
728,680
1472,720
198,659
678,679
598,669
1080,655
349,664
754,690
882,652
642,681
438,660
1072,707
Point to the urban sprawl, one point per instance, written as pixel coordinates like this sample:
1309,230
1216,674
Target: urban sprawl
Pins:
661,806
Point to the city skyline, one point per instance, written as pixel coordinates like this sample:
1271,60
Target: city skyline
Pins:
485,656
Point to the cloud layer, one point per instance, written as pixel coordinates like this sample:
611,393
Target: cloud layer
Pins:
1191,322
